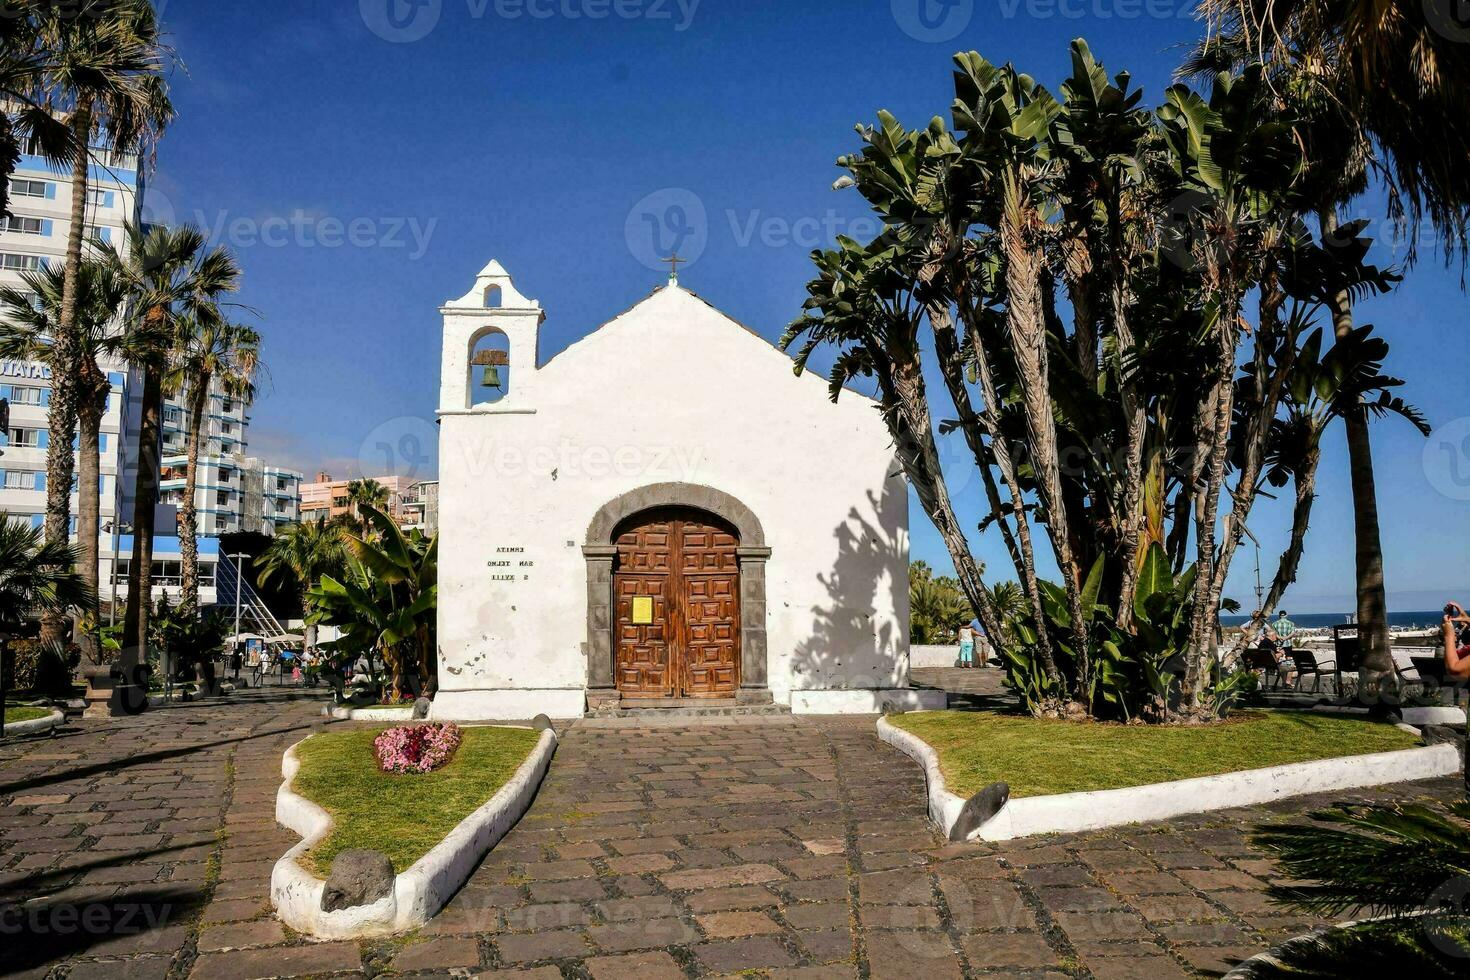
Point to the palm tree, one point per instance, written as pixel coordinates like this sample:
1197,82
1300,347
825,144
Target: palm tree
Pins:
103,75
937,606
1382,83
210,349
366,495
24,61
168,275
35,574
26,333
306,552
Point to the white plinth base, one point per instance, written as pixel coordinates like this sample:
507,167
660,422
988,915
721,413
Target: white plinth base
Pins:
866,702
508,705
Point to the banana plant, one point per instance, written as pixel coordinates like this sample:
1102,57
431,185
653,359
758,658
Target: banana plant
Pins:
386,603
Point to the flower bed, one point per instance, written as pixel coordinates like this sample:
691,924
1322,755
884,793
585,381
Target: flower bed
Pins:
402,816
416,749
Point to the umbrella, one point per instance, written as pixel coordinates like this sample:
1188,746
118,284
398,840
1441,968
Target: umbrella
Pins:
286,638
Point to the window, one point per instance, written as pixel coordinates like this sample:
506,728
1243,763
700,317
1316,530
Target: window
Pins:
27,438
100,198
20,480
20,187
22,225
98,231
228,406
28,396
222,498
12,262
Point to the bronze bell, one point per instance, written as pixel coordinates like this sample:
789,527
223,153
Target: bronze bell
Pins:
491,378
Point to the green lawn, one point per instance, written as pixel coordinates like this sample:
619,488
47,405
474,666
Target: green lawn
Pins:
1038,757
14,714
402,816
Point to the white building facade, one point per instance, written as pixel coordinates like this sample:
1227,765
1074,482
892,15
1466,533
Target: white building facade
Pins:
661,512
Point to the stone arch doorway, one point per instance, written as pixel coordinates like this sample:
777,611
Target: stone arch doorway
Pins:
696,557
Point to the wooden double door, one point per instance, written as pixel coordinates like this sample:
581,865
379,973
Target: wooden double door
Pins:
676,589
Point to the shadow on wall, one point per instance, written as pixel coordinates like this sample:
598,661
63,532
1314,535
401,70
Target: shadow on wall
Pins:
847,648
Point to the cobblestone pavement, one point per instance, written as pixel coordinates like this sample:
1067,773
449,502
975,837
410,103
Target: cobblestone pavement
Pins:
796,850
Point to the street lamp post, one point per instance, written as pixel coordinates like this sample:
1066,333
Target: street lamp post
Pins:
239,582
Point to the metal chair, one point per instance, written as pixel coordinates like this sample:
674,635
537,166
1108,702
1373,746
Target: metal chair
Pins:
1306,662
1431,671
1259,658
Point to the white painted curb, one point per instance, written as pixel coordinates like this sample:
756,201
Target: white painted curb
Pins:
53,720
1070,812
418,893
341,712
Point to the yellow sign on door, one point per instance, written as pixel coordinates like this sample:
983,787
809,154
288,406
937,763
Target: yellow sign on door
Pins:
643,610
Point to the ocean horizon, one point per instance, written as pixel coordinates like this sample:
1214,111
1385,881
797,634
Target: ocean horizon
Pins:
1400,620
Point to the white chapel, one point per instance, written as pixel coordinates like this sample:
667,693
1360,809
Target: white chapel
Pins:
663,512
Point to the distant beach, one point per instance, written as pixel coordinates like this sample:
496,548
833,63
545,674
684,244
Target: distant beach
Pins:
1311,621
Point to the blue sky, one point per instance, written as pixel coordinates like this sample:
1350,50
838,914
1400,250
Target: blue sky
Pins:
364,158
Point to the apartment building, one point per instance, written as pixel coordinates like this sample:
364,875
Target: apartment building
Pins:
326,498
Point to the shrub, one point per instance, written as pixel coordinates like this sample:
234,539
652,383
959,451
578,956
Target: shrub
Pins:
416,748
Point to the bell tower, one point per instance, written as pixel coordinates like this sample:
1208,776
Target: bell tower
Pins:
492,309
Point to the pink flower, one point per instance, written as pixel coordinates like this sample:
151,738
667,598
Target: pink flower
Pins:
416,748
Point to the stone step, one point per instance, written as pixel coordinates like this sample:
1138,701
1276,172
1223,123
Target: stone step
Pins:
680,712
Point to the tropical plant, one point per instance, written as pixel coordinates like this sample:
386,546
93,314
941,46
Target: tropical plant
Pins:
1117,420
101,75
168,275
385,604
1405,865
209,351
192,640
1379,87
35,574
305,552
937,607
30,321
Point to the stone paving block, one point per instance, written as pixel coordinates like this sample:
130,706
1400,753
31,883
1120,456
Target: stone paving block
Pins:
731,925
621,937
137,968
238,935
743,874
1217,960
280,961
634,966
734,955
439,954
1013,950
916,955
541,946
725,899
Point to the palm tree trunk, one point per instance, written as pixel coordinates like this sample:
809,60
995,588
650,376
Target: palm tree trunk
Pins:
145,501
1286,569
89,512
1377,662
188,511
1026,321
60,464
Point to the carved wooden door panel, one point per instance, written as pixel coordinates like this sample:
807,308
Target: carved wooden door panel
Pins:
709,575
684,638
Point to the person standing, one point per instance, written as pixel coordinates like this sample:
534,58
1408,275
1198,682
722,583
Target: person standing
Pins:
1283,628
967,646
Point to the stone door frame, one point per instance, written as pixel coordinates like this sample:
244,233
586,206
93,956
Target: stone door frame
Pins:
600,553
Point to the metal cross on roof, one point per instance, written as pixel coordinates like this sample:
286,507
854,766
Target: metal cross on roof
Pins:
674,262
